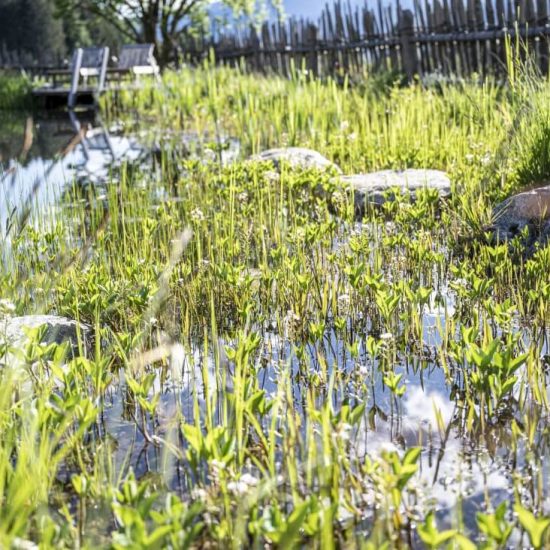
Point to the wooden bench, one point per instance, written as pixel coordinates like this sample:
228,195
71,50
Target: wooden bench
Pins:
71,84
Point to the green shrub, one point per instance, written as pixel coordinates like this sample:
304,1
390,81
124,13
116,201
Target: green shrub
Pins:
15,91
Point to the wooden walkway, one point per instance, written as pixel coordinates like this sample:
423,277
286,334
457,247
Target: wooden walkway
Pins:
56,98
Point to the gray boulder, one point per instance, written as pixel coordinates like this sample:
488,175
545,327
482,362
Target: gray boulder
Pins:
372,188
526,213
296,157
58,330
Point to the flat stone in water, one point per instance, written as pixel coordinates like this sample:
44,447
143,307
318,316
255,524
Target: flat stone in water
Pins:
531,210
58,330
296,157
372,188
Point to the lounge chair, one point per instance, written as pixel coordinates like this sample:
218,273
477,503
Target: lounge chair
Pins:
86,63
137,59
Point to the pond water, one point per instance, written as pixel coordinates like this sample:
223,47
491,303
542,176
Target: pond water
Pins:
41,157
457,469
42,154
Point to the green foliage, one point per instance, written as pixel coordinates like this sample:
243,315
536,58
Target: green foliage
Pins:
495,526
245,382
29,28
536,527
430,535
15,91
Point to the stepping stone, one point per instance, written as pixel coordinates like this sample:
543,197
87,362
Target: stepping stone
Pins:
58,330
296,157
531,210
372,188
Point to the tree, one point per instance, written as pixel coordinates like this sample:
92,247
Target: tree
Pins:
83,29
160,22
30,28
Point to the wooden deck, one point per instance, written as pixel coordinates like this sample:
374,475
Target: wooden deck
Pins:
72,86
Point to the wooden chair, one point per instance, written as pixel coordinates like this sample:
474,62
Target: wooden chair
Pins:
86,63
70,83
138,59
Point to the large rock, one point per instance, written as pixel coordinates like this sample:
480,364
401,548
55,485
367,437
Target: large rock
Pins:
526,213
373,188
297,157
58,330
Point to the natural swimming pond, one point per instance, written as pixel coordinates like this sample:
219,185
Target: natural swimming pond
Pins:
265,366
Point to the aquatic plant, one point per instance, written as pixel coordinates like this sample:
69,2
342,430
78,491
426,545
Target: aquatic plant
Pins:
266,368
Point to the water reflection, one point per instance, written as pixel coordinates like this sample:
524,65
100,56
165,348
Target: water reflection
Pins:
40,156
460,467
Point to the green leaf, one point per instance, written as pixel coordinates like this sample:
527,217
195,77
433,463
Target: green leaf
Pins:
535,527
295,521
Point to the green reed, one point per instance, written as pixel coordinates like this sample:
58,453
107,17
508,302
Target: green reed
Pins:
251,335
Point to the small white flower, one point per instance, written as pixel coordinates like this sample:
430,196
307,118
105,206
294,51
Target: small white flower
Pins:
197,215
6,307
363,370
326,503
272,177
344,433
388,447
386,336
250,480
23,544
199,494
238,488
486,159
217,464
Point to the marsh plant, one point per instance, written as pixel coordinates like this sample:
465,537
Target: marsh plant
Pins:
267,370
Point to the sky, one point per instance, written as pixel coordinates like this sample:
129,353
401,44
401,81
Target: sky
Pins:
308,8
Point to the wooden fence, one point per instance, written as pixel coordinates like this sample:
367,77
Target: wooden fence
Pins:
459,37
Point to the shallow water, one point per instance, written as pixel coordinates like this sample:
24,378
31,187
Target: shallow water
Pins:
457,468
42,155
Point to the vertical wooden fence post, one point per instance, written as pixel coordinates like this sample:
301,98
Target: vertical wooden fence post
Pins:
408,45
